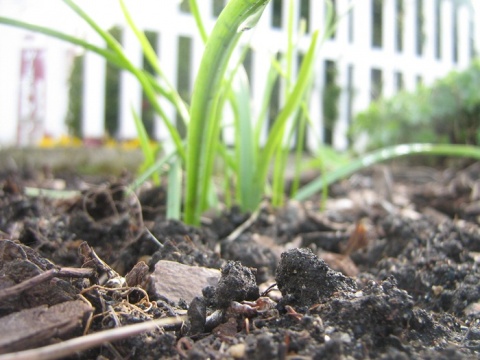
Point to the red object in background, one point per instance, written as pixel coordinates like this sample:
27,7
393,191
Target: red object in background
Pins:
32,97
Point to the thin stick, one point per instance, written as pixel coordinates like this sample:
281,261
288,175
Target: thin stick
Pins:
245,225
70,347
43,277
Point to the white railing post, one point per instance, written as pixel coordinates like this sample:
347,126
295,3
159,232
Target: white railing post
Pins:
93,108
388,48
476,27
130,90
10,43
315,135
430,70
340,140
409,45
463,40
56,99
446,30
362,35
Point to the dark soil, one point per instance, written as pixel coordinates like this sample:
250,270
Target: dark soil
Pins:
389,269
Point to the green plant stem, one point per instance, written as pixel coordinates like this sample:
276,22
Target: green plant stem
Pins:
384,154
198,20
299,148
276,132
174,191
204,120
147,149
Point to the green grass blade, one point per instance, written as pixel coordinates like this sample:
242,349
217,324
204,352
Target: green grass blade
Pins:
203,111
198,20
244,146
115,55
152,58
158,167
272,77
297,169
384,154
290,48
138,73
147,149
107,54
275,137
174,190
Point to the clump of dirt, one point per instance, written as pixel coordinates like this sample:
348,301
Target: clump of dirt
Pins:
389,269
237,283
304,279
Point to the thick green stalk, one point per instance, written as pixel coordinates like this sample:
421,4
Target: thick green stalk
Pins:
237,16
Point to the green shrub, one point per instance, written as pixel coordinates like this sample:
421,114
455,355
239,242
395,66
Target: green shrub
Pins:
448,112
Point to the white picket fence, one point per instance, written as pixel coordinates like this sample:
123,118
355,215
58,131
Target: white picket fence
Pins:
450,39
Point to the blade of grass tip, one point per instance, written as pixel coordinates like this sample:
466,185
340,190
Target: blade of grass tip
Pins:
106,54
174,190
384,154
155,168
220,45
138,73
276,132
109,39
152,58
198,20
147,150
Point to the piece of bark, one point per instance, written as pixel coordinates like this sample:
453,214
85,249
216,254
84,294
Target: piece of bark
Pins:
30,328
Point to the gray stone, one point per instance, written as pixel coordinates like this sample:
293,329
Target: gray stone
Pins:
175,281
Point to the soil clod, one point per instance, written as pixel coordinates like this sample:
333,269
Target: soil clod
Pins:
304,279
237,283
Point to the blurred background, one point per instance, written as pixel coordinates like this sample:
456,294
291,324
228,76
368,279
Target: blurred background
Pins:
50,89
